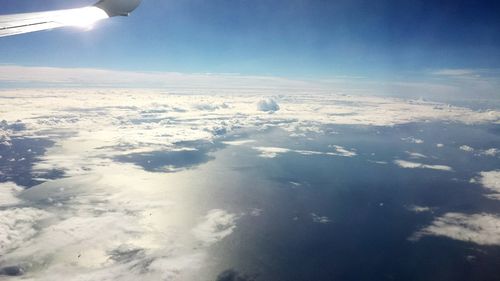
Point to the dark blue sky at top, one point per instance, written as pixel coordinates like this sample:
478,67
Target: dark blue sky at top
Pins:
314,38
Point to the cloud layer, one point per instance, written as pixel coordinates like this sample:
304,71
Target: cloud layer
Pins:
116,220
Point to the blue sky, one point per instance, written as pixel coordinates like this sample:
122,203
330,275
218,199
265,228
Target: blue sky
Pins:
286,38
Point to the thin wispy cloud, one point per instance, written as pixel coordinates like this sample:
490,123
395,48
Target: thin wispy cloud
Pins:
89,77
454,72
416,85
272,152
416,165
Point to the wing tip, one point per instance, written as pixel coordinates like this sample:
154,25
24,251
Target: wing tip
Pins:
118,7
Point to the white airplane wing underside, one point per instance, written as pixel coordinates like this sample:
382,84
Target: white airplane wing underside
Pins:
24,23
80,17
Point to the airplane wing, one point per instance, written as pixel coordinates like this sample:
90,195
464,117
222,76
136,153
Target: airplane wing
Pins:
81,17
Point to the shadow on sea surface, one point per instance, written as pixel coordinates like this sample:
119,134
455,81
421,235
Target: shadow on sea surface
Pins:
18,158
188,155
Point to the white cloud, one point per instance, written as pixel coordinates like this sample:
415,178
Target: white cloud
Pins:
341,151
378,162
88,124
209,106
270,152
307,152
439,145
412,140
17,225
419,209
238,142
109,220
178,266
491,152
119,222
268,105
491,181
8,194
415,165
482,229
109,112
466,148
5,137
415,155
216,225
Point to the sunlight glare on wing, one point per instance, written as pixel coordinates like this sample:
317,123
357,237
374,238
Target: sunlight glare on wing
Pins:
82,17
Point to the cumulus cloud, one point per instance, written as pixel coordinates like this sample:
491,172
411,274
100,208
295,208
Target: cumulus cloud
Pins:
9,193
268,105
153,119
5,134
209,106
17,225
466,148
493,152
415,165
491,181
482,229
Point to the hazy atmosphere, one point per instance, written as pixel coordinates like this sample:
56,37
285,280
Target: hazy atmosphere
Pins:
249,140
